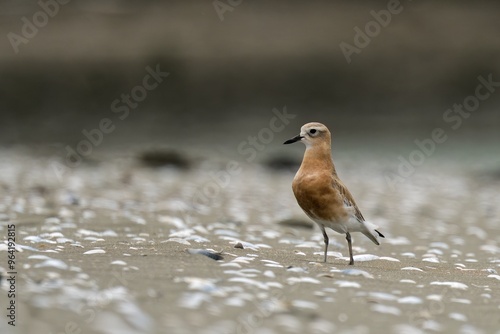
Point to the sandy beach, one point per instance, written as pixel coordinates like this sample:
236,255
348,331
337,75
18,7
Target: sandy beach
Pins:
145,187
114,247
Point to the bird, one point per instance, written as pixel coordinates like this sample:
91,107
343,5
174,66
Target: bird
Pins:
321,194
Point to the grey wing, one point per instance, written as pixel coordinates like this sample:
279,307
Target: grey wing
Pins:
347,198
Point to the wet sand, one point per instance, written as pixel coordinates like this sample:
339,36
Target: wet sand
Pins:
110,246
104,250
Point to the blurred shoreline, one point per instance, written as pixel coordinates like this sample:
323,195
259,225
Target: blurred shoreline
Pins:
226,76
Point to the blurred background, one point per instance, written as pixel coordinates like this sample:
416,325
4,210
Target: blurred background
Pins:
230,65
84,88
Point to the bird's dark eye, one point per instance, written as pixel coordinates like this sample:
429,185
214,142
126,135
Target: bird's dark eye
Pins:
313,131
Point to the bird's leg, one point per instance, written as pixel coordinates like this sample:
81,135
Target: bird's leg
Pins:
349,243
325,238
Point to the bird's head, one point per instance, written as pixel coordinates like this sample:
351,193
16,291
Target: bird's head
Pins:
312,134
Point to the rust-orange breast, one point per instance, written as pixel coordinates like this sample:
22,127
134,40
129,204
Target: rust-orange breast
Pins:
316,196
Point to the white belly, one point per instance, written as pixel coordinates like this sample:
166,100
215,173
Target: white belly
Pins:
342,227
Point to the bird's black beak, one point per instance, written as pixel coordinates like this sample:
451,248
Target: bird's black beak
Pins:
293,140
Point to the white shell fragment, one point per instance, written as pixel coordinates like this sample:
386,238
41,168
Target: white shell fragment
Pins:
95,251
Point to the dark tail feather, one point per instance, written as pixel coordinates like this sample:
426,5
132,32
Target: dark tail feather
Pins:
380,234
